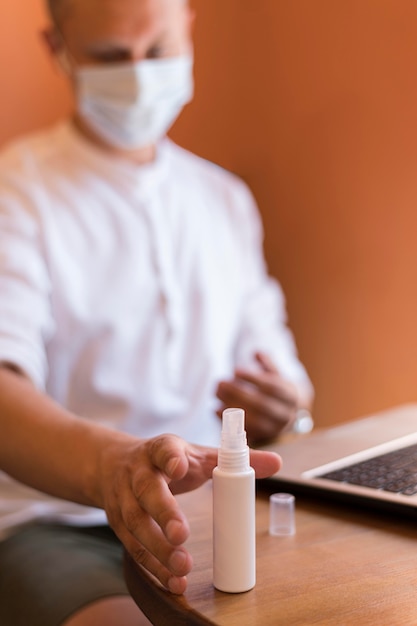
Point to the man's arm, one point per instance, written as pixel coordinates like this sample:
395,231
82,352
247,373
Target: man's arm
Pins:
269,380
271,403
52,450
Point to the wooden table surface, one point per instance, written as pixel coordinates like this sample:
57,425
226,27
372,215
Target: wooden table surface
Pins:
343,567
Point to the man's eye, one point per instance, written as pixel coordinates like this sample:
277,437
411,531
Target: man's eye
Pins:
155,52
113,56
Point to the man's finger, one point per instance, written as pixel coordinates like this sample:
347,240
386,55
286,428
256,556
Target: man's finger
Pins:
265,463
267,404
168,454
152,494
175,583
266,362
271,385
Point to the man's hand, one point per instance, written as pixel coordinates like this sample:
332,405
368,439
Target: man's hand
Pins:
134,480
269,401
138,480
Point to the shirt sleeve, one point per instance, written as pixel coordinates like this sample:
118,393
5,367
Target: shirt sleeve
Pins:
25,317
264,318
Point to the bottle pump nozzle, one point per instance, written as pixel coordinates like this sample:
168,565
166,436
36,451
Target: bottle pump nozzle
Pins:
233,430
234,451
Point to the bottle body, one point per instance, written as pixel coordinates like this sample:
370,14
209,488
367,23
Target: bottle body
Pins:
234,531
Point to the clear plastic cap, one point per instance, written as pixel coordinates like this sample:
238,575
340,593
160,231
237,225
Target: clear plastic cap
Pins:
233,430
233,452
281,514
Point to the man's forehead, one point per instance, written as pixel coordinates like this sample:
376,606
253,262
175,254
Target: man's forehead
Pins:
104,19
58,8
92,26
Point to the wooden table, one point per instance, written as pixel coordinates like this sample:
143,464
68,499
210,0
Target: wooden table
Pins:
343,567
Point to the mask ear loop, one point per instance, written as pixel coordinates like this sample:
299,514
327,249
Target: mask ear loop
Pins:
64,63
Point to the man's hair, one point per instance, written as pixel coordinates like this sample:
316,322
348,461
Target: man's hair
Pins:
54,8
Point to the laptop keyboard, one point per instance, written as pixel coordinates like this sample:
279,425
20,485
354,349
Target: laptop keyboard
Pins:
395,471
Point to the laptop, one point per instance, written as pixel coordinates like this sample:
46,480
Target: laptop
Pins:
371,461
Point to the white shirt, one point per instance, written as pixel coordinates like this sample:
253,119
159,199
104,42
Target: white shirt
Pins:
128,292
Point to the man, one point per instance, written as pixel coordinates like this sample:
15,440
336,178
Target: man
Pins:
133,302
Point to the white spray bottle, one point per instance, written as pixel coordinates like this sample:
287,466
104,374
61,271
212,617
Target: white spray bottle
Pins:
234,533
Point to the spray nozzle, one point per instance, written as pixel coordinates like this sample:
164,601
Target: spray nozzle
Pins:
233,430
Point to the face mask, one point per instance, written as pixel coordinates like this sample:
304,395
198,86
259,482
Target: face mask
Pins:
132,105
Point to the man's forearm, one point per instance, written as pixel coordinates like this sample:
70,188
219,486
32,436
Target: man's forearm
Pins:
46,447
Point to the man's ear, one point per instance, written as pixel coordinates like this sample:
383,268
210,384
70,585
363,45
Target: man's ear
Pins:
52,40
191,19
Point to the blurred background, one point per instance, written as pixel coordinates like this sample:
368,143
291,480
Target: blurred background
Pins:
313,103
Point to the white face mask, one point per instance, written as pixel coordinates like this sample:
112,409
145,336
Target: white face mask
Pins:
132,105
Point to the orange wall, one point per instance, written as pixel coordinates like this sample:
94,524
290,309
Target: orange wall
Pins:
314,103
32,91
